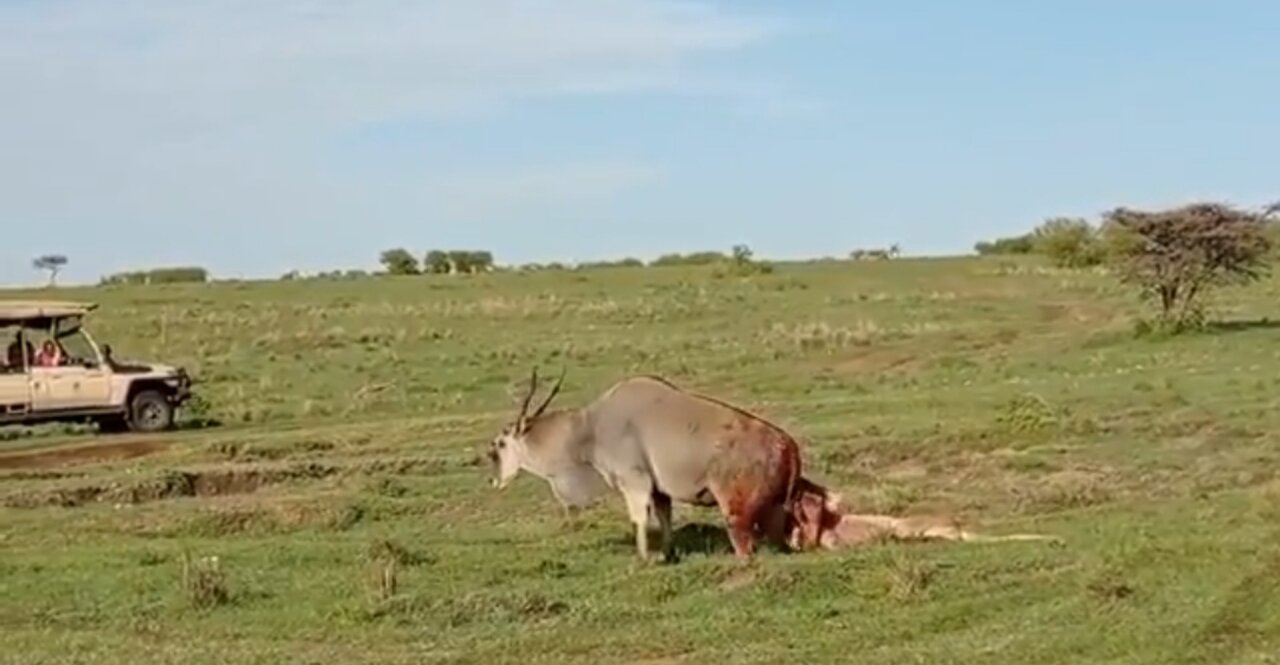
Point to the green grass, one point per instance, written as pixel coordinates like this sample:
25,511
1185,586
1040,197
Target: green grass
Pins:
344,498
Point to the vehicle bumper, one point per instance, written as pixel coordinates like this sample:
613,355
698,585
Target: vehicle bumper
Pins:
179,388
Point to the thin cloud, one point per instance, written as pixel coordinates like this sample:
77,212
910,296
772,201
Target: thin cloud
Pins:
198,64
485,192
134,115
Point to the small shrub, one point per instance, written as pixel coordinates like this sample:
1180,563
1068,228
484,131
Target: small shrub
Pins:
742,263
602,265
386,579
179,275
1029,413
197,413
203,582
385,559
693,259
1068,243
1023,244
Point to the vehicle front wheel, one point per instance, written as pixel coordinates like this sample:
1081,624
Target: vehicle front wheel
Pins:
150,411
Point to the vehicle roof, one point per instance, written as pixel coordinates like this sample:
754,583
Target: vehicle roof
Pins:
23,311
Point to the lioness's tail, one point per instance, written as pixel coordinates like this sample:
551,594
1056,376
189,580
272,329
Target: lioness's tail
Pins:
965,536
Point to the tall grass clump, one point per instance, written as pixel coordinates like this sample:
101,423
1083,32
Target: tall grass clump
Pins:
204,583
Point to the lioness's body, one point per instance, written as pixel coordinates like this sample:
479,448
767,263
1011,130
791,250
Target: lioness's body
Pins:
854,529
656,444
822,522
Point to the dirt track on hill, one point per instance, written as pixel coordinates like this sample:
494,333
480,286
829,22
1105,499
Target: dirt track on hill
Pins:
112,449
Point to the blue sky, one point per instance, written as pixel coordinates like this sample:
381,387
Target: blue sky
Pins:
255,138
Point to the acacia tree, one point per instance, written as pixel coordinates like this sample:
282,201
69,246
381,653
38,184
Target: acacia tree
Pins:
1174,256
437,262
458,261
476,261
53,263
399,262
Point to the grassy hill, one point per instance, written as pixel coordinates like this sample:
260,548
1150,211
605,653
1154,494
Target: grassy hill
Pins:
353,414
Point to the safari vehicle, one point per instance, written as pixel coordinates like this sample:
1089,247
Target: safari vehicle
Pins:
53,371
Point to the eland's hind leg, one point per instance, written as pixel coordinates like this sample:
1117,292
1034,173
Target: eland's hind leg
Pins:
773,527
662,510
740,516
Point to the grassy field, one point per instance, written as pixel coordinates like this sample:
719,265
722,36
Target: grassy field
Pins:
352,416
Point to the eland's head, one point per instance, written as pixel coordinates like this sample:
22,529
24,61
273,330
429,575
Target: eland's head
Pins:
507,451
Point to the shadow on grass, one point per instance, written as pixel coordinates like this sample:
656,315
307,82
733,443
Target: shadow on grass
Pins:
1242,326
701,539
197,424
688,539
1162,332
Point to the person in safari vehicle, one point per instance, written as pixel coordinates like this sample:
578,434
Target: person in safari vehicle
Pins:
15,356
50,355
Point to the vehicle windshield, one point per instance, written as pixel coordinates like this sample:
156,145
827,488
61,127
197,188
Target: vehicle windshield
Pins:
76,348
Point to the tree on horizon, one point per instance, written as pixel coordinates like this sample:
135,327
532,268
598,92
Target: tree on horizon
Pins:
52,263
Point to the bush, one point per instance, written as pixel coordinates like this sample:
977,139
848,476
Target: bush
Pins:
1023,244
1174,256
181,275
1069,243
743,263
598,265
440,262
693,259
203,582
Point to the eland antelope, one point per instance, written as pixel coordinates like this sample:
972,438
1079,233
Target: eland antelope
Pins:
655,443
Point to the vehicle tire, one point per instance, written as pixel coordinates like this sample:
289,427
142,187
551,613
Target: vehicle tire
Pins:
150,411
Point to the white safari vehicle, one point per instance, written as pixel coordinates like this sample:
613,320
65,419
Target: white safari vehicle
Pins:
52,370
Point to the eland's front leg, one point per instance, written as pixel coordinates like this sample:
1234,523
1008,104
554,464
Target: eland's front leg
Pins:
638,506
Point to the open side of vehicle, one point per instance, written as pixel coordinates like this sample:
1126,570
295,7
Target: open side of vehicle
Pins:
54,371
